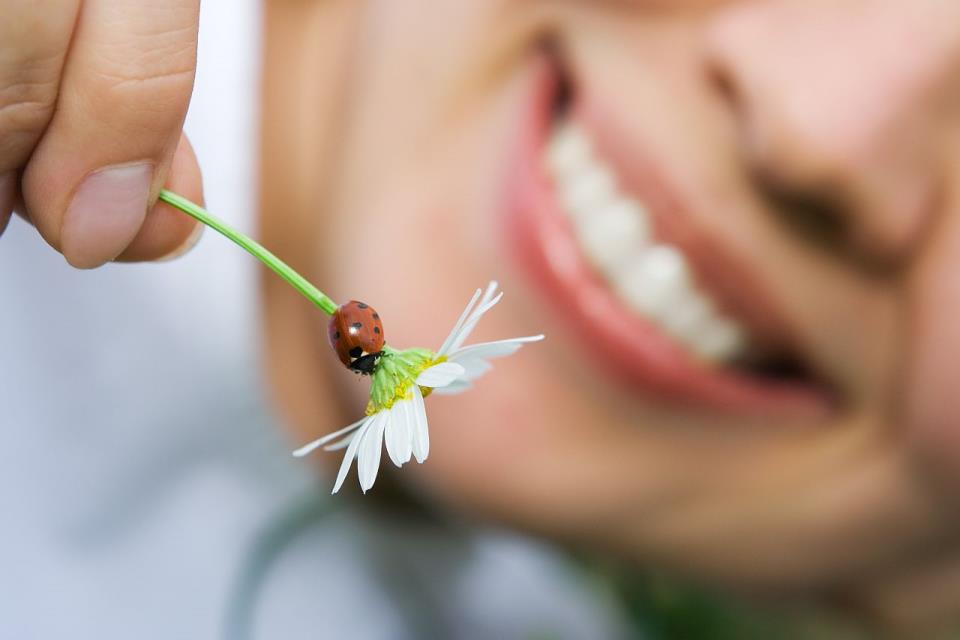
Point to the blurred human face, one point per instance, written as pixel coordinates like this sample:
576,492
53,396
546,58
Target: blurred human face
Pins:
749,368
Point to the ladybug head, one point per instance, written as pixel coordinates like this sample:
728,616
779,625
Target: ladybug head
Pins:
364,364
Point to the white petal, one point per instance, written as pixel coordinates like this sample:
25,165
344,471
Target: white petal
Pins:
496,349
351,453
307,448
420,432
474,358
491,289
455,387
342,443
409,420
473,368
368,455
471,323
397,435
440,375
456,328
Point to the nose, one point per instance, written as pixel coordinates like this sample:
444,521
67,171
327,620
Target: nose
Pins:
843,104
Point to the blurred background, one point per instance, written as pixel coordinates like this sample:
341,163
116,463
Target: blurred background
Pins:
148,491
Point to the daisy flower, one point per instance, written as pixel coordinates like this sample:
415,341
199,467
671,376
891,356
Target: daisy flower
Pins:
400,379
395,414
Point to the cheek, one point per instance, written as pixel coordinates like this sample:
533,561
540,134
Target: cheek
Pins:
932,407
539,441
518,445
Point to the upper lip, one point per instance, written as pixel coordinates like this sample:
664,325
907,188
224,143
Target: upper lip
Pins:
625,344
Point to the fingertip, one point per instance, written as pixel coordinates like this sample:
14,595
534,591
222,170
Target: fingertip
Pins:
186,246
185,175
167,232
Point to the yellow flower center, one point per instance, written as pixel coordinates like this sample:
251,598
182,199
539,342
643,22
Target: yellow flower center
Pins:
394,383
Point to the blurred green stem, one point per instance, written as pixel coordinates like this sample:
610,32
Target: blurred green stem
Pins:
253,247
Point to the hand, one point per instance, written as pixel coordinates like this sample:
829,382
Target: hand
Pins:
93,95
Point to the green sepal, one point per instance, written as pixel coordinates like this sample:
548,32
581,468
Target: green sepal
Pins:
395,374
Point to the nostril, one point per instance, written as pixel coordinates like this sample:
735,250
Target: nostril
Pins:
729,54
720,70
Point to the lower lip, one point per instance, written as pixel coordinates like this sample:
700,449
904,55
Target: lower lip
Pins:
632,350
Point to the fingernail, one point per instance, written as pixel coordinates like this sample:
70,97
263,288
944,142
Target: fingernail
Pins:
187,245
8,182
105,214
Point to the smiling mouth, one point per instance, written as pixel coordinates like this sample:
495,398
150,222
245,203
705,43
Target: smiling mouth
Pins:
660,309
614,231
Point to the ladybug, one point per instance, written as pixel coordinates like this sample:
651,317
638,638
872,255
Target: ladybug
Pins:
356,334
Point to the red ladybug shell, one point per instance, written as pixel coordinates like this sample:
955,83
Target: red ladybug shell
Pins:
356,334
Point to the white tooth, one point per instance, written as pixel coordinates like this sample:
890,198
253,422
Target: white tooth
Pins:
613,233
651,280
688,316
587,190
569,150
721,340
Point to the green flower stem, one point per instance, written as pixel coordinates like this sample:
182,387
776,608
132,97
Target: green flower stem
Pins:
253,247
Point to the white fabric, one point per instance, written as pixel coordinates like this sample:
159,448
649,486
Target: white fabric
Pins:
140,462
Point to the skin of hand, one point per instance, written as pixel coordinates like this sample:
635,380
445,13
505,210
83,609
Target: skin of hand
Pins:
398,128
93,95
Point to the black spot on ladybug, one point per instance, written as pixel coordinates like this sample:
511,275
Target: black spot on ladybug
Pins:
362,305
356,352
336,335
357,325
376,329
